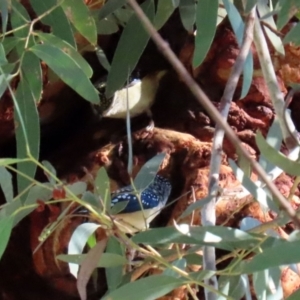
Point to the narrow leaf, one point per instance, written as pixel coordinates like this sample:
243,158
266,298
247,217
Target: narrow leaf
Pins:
6,224
57,20
206,21
129,50
87,267
29,114
79,15
148,171
164,10
149,288
187,10
238,27
31,70
68,70
51,39
78,241
110,7
6,184
4,14
289,166
293,36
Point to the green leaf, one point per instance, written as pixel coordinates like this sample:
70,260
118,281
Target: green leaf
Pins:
9,43
294,296
19,17
6,184
78,241
293,36
164,10
148,172
77,188
275,40
91,199
220,237
287,8
110,7
263,288
114,274
187,10
51,169
107,25
3,59
102,59
284,254
78,13
238,27
31,70
4,14
289,166
274,139
196,205
29,114
206,21
6,225
265,201
249,5
232,286
107,260
149,288
129,50
68,70
180,264
56,19
88,266
102,187
51,39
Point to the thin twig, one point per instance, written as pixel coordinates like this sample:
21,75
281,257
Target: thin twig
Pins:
212,111
208,213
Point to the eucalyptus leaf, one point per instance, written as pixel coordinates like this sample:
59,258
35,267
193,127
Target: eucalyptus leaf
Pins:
4,6
3,59
30,138
231,285
180,264
91,199
293,36
294,296
77,188
289,166
164,10
6,225
129,50
6,184
107,260
264,199
78,241
283,254
106,26
187,10
9,43
56,19
31,70
51,39
114,274
238,27
102,59
287,9
149,288
275,40
51,169
206,21
68,70
249,5
148,172
79,15
110,7
19,18
88,265
195,206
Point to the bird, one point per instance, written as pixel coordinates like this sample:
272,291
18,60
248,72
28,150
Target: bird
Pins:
153,199
140,93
